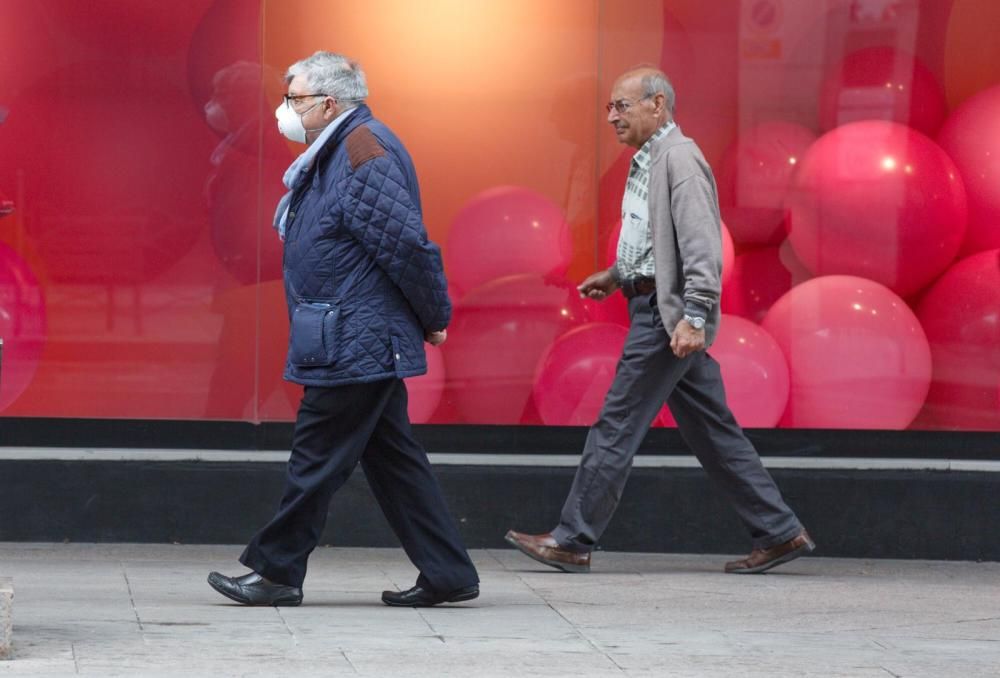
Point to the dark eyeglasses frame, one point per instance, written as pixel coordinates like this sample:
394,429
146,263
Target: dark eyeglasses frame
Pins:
290,99
622,105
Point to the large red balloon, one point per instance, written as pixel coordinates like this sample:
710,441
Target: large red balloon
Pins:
971,136
754,178
498,334
754,372
856,353
880,201
961,316
425,391
576,372
505,231
882,83
22,325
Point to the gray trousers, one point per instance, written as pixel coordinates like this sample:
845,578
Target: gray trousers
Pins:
649,374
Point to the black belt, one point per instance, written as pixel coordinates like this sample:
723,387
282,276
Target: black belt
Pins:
633,287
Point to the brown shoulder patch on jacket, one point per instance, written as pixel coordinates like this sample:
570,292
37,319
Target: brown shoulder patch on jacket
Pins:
362,146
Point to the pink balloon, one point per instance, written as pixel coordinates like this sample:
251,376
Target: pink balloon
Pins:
498,335
22,325
728,254
728,249
614,309
425,391
882,83
960,315
971,136
505,231
576,372
880,201
760,277
754,372
754,178
856,353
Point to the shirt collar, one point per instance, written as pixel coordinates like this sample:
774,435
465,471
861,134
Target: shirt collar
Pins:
642,157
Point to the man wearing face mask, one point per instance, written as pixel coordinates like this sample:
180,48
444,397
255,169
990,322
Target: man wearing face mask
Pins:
365,288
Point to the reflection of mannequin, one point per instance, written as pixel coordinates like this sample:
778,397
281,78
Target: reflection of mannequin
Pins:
241,191
577,199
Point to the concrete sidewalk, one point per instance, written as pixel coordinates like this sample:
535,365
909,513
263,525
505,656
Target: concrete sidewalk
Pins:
145,610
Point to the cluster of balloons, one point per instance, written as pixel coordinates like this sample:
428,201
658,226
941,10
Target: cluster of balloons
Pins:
870,253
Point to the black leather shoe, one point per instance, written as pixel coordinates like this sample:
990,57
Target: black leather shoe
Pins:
253,589
420,597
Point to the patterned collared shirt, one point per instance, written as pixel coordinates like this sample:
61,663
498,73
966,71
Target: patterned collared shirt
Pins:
635,244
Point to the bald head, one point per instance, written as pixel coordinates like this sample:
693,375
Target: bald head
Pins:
642,101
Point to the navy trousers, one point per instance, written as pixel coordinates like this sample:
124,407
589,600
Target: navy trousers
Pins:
337,428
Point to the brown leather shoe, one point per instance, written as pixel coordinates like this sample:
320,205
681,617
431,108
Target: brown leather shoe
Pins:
761,560
545,549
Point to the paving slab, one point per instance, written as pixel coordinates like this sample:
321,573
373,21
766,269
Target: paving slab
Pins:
145,610
6,615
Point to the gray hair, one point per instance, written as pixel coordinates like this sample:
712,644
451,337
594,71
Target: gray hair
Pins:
657,82
332,74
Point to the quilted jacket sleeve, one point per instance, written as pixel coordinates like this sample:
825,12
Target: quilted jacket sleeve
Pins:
379,212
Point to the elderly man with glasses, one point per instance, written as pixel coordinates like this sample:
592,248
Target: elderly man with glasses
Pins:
669,265
365,289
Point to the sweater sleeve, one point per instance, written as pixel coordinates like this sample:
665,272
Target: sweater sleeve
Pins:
695,212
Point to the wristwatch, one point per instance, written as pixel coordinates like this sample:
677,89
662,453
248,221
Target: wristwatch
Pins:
695,321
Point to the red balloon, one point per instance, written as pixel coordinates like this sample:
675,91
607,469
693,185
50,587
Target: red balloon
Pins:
754,372
760,277
425,391
960,315
576,372
498,334
614,309
22,325
971,136
754,178
880,201
882,83
728,254
505,231
856,353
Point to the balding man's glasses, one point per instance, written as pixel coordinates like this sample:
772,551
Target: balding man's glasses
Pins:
622,105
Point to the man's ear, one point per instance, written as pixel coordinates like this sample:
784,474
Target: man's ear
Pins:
660,100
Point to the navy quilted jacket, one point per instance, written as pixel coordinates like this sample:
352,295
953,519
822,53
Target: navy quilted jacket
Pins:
362,281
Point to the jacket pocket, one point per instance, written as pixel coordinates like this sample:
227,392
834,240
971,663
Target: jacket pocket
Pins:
312,337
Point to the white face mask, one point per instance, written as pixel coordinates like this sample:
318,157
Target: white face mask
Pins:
290,122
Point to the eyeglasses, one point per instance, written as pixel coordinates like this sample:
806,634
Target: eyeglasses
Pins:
291,100
622,105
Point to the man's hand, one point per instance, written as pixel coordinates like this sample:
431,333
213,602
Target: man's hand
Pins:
436,338
598,286
686,339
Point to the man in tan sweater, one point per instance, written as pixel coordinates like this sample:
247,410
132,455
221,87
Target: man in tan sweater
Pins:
669,265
